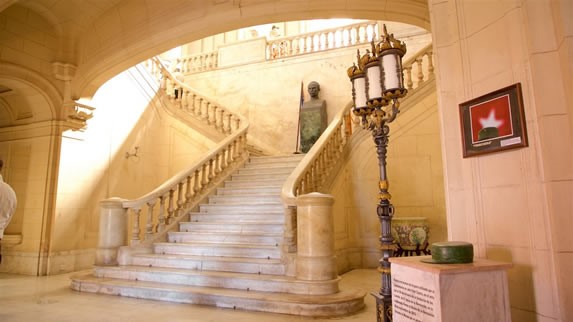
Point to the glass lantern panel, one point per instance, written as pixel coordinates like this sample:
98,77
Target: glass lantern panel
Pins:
374,86
360,92
392,72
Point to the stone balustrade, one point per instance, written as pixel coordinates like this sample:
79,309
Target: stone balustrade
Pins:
198,63
419,68
306,43
313,42
160,210
192,102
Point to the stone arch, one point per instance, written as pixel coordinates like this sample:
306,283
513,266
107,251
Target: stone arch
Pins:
47,97
173,26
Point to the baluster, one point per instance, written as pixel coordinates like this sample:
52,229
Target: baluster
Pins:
217,170
196,182
222,121
420,71
199,113
135,239
196,105
224,158
149,225
180,200
430,63
237,123
228,129
188,192
215,114
171,208
161,219
360,34
209,113
408,76
204,175
211,170
185,99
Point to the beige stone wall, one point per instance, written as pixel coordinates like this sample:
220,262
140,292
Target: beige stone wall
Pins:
516,205
28,160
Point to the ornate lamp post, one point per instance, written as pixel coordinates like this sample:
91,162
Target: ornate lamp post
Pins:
377,86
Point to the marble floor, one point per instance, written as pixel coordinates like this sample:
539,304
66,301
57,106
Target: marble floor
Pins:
50,299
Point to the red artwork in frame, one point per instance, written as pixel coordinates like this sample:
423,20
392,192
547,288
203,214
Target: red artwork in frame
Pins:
493,122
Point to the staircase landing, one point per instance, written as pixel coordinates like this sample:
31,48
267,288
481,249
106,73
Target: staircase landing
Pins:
228,255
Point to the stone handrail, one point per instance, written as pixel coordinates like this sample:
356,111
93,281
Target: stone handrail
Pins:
313,42
193,102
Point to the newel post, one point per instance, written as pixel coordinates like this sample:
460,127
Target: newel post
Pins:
112,231
315,259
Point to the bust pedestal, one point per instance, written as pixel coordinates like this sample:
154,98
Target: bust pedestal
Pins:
449,292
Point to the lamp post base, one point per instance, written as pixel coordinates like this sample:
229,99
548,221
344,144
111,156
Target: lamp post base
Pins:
383,308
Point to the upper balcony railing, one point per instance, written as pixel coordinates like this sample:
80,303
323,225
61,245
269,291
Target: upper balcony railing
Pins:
282,47
313,42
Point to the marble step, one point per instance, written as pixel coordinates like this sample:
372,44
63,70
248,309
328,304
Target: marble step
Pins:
246,199
264,170
262,182
260,176
248,265
258,238
274,218
331,305
249,191
218,249
294,158
223,227
227,280
268,207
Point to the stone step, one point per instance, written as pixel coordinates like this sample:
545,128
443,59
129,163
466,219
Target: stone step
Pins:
265,170
268,207
260,176
331,305
266,182
246,199
218,249
227,280
222,227
249,191
269,166
248,265
274,218
265,238
277,159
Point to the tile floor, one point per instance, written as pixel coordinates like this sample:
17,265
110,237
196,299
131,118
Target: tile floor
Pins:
50,299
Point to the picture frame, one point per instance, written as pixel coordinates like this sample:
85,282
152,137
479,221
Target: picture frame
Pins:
493,122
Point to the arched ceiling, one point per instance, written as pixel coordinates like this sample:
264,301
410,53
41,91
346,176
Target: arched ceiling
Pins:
104,37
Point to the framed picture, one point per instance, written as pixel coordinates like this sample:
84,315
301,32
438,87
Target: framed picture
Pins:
493,122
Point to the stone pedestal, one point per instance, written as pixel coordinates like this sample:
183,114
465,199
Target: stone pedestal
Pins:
449,292
315,240
112,231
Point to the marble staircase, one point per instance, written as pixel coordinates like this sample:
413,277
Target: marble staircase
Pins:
228,254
